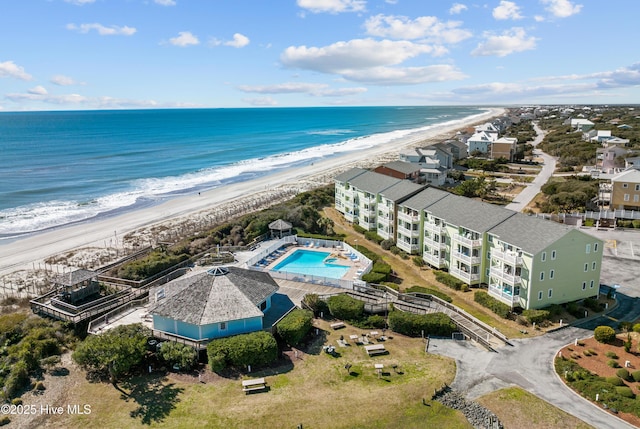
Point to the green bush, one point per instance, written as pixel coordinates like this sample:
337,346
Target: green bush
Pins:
373,236
635,375
412,325
613,363
255,349
346,308
418,261
374,277
593,304
391,285
623,373
373,321
4,420
611,355
387,244
625,392
17,380
616,381
448,280
316,305
178,354
428,291
604,334
358,228
381,267
295,326
499,308
536,316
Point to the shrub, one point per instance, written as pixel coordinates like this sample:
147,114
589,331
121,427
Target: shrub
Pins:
636,327
448,280
536,316
604,334
625,392
500,308
358,228
381,267
623,373
418,261
387,244
178,354
373,236
635,375
391,285
613,363
592,304
255,349
438,324
40,386
611,355
616,381
373,321
428,291
314,303
4,420
346,308
16,401
295,326
374,277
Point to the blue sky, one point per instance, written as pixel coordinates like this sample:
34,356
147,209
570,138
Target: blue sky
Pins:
103,54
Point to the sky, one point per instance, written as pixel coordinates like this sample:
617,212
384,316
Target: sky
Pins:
129,54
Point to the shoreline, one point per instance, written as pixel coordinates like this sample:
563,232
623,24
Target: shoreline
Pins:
148,224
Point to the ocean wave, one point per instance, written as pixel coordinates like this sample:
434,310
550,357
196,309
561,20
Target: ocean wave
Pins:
39,216
330,132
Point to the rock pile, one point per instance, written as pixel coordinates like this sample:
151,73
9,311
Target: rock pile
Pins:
478,416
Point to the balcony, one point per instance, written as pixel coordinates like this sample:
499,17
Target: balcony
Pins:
408,232
466,277
408,247
411,218
512,279
438,229
472,260
510,258
436,261
435,244
504,294
467,241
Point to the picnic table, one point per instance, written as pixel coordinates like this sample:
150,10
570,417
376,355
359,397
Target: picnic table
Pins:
375,349
253,385
337,325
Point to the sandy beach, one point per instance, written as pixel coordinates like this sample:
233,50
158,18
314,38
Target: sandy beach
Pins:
93,243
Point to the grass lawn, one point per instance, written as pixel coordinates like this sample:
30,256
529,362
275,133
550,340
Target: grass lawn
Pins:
517,408
314,390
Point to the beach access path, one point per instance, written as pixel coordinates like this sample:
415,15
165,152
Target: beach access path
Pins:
26,253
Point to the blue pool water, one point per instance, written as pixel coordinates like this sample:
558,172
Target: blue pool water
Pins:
311,263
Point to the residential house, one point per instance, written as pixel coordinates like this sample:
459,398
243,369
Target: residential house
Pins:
400,170
632,162
480,142
581,125
211,304
600,136
625,127
504,147
610,158
535,262
457,148
625,190
488,128
615,141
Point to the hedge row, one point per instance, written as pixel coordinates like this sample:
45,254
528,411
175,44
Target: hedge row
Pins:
255,349
428,291
500,308
413,325
295,326
450,281
345,308
536,316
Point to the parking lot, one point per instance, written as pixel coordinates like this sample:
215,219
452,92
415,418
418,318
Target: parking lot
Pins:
621,259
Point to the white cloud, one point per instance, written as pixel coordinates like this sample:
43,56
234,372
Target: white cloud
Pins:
38,90
261,101
507,10
511,41
80,2
405,75
315,89
185,38
165,2
423,27
333,6
36,95
538,18
102,30
63,80
238,41
457,8
11,69
561,8
354,54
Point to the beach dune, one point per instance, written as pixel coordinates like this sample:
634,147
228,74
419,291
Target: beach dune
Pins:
26,253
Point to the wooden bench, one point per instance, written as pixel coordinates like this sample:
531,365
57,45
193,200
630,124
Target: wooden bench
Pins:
337,325
375,349
253,385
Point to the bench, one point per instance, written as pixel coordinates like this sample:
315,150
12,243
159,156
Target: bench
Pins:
253,385
337,325
375,349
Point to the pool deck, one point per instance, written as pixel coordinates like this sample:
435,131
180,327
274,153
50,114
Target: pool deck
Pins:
340,255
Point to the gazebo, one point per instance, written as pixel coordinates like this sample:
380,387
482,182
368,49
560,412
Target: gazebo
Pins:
280,228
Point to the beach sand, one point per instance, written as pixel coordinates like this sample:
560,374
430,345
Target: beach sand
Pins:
25,261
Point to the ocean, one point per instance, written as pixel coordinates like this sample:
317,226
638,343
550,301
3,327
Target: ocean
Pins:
62,167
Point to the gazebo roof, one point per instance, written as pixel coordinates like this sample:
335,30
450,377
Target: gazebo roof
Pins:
74,277
280,225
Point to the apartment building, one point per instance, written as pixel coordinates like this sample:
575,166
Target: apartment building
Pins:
625,190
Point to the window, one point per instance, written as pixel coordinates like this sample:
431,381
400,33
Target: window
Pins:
160,294
553,254
588,248
593,266
539,295
263,306
625,185
550,293
626,197
488,272
636,198
637,187
541,276
551,274
223,326
584,285
543,257
591,285
586,267
595,247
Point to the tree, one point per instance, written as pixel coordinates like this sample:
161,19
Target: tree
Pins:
115,352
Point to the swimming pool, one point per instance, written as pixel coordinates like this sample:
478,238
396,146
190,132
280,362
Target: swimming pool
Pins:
308,262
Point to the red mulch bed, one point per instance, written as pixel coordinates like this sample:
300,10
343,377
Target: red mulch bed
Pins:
597,363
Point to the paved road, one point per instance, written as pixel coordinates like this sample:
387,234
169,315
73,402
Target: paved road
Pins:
521,200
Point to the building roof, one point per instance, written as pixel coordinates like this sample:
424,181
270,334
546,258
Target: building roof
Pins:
213,297
529,233
74,277
471,214
402,167
280,225
401,190
372,182
349,174
631,175
425,198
